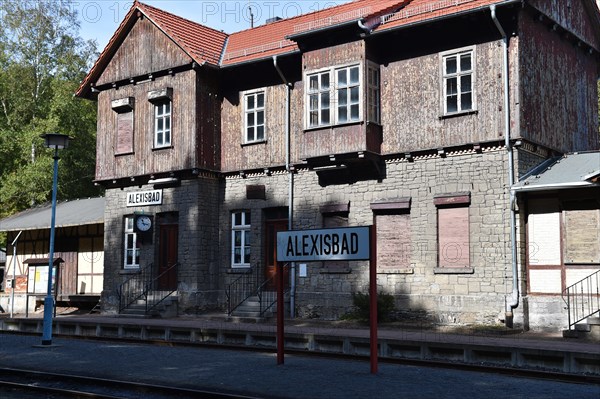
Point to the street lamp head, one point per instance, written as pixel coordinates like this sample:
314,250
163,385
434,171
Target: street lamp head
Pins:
56,141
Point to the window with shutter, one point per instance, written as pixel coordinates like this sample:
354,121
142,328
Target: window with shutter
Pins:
453,230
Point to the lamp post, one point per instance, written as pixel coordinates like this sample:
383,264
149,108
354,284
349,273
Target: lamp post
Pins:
58,142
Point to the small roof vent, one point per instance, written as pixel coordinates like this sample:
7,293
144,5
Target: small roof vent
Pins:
274,19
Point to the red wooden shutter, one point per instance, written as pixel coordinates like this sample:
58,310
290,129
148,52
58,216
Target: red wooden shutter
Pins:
453,237
393,241
124,143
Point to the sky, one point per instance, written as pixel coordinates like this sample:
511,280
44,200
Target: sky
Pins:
101,18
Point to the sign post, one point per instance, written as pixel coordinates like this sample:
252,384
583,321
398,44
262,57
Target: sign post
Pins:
349,243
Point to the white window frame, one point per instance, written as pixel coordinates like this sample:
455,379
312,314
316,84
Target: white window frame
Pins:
242,230
458,75
134,248
334,90
166,118
373,93
254,112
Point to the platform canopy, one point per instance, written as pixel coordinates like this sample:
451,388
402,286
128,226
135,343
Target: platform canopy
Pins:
576,170
69,213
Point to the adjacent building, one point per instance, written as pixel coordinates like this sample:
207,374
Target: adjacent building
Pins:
416,117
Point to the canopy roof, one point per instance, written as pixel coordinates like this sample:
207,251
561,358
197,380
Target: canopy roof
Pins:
69,213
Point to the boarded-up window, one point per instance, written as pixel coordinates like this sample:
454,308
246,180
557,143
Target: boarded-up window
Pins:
582,230
393,241
335,216
124,143
543,230
453,237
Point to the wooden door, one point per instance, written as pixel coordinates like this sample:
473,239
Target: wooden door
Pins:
167,256
272,227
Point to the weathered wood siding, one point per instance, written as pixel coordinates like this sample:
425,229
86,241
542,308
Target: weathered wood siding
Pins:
146,49
341,54
572,15
235,155
208,121
145,160
412,103
559,99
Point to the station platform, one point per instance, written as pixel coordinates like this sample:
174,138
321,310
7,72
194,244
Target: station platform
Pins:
501,347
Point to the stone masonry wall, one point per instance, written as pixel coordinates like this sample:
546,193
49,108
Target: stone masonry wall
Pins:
446,298
195,202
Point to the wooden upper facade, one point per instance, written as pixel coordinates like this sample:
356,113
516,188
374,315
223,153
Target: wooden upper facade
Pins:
353,84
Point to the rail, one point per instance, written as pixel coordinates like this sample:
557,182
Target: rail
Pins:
246,286
241,289
582,299
148,286
134,287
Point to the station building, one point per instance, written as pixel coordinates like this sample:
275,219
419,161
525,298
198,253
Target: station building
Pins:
417,117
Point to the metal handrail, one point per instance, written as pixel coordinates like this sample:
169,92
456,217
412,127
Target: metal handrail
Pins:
582,299
268,298
158,295
246,286
144,285
241,289
134,287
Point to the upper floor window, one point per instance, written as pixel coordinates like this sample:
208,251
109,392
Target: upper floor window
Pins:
131,258
373,100
458,81
162,124
254,112
334,96
240,239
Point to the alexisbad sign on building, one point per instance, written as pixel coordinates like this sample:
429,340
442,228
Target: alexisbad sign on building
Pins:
351,243
144,198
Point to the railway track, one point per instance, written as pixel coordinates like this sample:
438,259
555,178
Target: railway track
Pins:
16,383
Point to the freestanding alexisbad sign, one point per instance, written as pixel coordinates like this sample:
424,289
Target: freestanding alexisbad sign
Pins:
350,243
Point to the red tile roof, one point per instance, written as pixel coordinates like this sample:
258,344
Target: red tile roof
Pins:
421,10
270,39
207,45
202,44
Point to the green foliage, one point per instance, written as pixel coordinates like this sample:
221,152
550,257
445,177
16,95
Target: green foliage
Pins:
362,307
42,61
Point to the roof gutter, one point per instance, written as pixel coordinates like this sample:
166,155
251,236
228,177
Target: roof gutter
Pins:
513,301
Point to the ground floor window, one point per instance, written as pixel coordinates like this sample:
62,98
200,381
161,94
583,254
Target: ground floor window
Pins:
131,258
240,239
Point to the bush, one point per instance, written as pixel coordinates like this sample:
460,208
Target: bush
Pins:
362,307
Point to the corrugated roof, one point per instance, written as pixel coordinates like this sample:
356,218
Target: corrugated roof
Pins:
68,213
577,170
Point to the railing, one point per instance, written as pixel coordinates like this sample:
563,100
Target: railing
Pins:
149,286
246,286
241,289
161,287
583,299
135,287
268,297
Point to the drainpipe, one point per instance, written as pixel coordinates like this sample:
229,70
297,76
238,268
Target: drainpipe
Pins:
513,301
290,183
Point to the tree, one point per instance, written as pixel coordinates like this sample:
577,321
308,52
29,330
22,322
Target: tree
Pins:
42,61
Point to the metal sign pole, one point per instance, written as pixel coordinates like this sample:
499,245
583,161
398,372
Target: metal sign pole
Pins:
373,304
280,314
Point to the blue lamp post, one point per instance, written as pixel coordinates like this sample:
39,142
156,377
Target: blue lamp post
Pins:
58,142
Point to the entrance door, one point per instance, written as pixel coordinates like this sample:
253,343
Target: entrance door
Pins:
272,227
167,256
